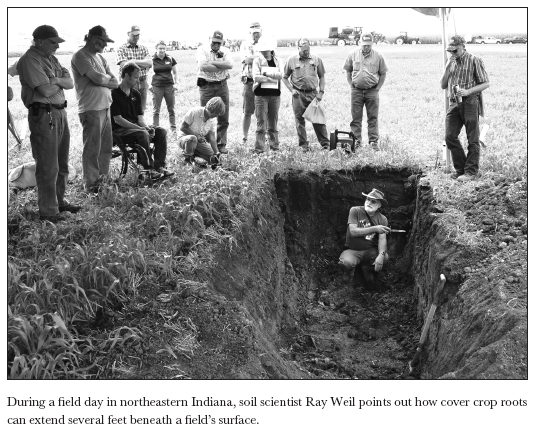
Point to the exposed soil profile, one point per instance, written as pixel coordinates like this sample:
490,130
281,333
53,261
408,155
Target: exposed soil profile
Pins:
274,304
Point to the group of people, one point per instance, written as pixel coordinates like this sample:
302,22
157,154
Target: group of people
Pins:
110,107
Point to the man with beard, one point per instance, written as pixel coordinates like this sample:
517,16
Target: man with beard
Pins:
93,81
43,80
214,65
366,238
466,73
132,51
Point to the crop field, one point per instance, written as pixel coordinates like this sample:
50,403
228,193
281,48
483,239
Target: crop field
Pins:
71,285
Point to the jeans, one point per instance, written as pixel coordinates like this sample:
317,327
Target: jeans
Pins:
220,90
351,258
193,147
267,115
167,93
466,113
143,87
144,158
50,149
98,143
300,103
370,98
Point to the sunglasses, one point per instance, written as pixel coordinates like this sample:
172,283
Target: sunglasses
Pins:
372,201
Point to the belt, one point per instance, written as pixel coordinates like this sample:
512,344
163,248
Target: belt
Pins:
215,82
47,106
371,88
305,91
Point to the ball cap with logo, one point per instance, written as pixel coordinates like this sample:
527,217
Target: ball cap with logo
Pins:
100,32
377,195
217,37
366,39
455,41
134,30
47,32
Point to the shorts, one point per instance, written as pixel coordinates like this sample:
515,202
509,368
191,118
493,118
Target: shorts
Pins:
248,99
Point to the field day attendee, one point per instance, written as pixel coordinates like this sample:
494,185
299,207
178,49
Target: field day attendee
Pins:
366,238
248,52
164,83
129,123
468,72
93,81
214,65
139,54
197,135
267,72
303,73
366,73
44,80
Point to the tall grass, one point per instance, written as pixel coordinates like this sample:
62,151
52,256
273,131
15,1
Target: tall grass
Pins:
61,278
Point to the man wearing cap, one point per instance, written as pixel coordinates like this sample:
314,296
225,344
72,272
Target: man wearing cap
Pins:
214,65
366,73
248,52
93,81
303,73
43,80
139,54
366,238
468,73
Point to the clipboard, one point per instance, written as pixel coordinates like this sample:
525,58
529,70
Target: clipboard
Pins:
274,85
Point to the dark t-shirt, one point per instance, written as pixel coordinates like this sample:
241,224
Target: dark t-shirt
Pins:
128,107
357,215
162,71
259,91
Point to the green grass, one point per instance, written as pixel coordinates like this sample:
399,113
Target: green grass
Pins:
61,278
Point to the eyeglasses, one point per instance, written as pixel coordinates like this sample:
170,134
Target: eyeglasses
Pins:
216,43
372,201
99,38
52,42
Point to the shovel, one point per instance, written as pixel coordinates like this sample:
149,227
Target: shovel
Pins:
428,321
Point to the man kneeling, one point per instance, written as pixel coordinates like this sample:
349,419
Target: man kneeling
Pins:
129,124
197,135
366,238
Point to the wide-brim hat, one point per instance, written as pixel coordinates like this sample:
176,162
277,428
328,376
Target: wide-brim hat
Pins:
266,45
255,28
376,194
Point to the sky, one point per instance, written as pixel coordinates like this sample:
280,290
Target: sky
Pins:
195,24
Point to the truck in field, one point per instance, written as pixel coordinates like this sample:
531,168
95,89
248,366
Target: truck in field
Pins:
345,36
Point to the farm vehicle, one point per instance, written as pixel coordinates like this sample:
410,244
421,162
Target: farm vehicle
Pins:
347,36
404,39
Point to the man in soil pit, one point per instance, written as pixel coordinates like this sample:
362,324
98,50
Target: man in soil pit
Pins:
366,238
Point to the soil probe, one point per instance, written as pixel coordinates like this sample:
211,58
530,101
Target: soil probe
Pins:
428,321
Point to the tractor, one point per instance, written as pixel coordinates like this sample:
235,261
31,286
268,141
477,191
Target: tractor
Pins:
348,35
403,38
379,38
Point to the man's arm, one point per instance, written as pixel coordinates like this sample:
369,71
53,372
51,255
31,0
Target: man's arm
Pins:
364,231
65,81
477,89
141,121
175,75
319,96
121,122
380,259
102,79
381,81
143,64
184,128
349,78
446,75
212,139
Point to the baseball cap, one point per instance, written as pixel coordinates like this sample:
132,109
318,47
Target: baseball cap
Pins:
303,41
217,37
134,30
255,28
455,41
366,39
47,32
100,32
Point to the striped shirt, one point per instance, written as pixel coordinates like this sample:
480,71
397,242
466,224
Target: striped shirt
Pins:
132,52
205,53
469,71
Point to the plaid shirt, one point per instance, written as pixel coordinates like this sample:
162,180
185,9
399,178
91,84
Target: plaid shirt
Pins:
248,49
469,71
132,52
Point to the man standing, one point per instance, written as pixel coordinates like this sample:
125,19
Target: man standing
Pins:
302,75
214,65
248,52
129,124
366,73
139,54
93,81
43,80
366,238
466,73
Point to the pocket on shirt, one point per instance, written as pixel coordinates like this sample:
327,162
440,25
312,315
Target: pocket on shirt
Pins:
356,66
373,68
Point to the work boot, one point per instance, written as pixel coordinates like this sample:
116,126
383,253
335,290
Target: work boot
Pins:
222,149
455,175
374,146
165,172
466,177
69,208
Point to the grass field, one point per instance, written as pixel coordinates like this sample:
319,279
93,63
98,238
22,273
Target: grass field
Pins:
60,278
